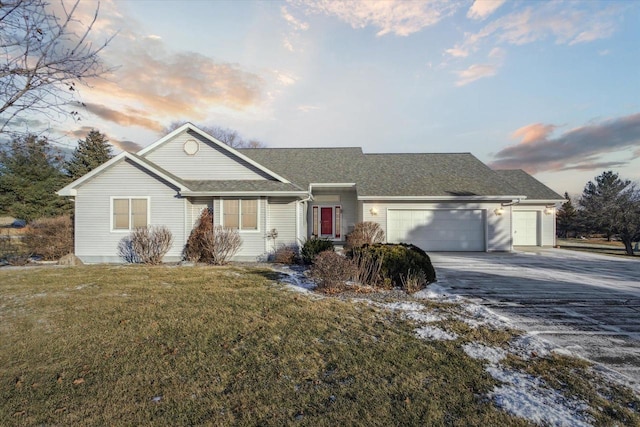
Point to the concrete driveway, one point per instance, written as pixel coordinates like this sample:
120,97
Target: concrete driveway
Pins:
586,303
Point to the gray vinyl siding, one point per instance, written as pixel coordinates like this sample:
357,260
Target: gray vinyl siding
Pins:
349,204
196,206
498,227
211,162
282,217
94,241
254,242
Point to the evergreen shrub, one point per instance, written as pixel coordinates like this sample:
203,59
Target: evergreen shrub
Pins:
313,247
398,262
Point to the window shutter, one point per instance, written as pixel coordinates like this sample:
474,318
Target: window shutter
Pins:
315,221
338,221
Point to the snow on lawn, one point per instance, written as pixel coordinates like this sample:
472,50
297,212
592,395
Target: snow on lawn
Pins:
433,333
520,394
295,279
529,397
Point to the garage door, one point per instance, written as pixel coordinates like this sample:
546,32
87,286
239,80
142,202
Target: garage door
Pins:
438,229
525,228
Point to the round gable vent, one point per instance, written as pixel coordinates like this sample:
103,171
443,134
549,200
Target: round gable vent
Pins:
191,147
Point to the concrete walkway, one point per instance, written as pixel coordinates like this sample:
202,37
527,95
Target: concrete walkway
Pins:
586,303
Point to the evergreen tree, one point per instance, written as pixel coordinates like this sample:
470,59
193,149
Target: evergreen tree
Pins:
90,153
612,206
599,200
566,218
30,174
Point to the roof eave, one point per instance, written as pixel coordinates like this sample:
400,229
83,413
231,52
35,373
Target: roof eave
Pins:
541,201
244,193
447,198
71,189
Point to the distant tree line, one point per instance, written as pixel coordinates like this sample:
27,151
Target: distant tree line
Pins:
609,206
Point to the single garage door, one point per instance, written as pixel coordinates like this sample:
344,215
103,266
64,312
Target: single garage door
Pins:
525,228
438,229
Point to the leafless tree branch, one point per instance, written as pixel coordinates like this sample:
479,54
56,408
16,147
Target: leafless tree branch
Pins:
42,58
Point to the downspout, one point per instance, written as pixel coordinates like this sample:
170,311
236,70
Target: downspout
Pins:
308,199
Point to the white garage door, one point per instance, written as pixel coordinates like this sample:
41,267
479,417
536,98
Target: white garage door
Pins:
438,229
525,228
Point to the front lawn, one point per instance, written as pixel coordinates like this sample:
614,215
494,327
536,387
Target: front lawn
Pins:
133,345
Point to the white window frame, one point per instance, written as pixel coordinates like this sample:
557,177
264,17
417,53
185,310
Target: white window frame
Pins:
240,229
122,230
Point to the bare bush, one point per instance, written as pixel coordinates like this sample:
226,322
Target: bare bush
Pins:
414,281
365,233
126,252
367,269
331,270
194,249
286,254
221,244
51,238
146,245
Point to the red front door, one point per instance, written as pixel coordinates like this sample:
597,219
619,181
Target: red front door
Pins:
326,221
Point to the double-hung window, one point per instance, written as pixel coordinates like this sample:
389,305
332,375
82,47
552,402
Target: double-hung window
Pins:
241,214
129,213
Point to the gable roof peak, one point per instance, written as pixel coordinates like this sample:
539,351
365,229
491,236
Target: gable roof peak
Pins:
190,126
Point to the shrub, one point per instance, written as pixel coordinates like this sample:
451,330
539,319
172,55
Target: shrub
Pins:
194,249
365,233
331,270
414,281
398,260
220,244
367,268
51,238
313,247
286,254
146,245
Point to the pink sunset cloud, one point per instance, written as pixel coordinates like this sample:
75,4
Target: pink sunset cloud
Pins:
581,148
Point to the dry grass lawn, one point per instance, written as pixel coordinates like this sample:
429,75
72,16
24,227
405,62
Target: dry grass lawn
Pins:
133,345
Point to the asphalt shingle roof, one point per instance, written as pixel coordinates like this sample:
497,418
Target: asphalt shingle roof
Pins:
528,185
388,175
304,166
240,185
422,174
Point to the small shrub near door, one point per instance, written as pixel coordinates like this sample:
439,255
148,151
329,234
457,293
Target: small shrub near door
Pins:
286,254
51,238
146,245
313,247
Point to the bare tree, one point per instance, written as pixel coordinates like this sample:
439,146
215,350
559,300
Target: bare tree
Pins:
225,135
43,56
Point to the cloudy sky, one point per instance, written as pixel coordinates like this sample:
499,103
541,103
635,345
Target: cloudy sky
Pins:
549,87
